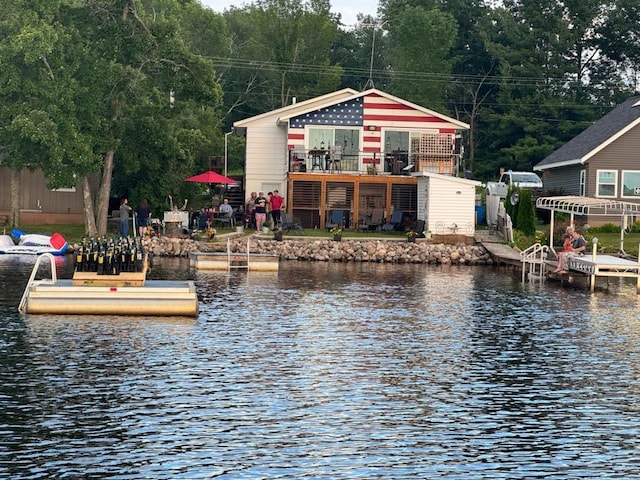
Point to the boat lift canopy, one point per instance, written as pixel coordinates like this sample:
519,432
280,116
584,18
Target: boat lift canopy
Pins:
575,205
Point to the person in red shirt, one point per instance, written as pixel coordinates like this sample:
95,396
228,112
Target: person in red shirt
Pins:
276,206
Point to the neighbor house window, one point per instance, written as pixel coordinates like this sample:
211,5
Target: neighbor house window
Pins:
583,183
606,184
631,184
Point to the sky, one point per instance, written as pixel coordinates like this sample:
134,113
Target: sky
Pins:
348,8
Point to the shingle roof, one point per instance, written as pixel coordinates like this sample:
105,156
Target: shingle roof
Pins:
596,136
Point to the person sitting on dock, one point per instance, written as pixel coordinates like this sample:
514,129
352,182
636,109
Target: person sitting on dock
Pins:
578,247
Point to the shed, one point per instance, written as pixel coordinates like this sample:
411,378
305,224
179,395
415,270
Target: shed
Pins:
447,204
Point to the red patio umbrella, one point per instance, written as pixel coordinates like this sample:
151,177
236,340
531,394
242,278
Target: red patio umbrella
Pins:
210,177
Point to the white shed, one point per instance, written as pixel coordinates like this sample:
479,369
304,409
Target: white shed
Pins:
447,204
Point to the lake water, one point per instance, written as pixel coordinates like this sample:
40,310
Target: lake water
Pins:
328,371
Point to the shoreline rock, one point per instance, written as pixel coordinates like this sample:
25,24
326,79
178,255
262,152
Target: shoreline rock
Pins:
327,250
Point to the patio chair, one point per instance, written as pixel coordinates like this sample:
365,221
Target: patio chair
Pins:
373,220
290,223
336,219
395,223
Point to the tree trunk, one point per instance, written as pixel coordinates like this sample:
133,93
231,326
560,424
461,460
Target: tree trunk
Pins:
104,191
14,215
87,203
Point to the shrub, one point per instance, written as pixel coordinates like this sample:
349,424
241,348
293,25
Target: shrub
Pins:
526,217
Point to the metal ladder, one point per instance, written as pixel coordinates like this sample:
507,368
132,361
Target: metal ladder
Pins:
534,262
238,261
32,281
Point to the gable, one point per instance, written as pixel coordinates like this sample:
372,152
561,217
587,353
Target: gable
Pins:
596,137
373,108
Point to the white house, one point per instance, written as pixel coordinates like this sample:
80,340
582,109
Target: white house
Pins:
351,152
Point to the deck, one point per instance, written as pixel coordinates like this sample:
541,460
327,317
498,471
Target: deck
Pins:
605,266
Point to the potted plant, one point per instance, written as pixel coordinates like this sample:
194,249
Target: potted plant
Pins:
337,233
411,236
277,234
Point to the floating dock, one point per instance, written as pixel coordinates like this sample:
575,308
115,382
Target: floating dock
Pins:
251,262
92,294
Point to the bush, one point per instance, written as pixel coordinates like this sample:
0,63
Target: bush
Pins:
606,228
526,217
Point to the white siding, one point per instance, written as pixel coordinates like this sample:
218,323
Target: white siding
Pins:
266,163
448,200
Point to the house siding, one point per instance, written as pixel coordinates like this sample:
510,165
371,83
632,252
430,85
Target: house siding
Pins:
623,154
441,206
266,162
562,181
39,204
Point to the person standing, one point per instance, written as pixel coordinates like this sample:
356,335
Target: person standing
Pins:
276,206
124,217
260,211
143,213
250,219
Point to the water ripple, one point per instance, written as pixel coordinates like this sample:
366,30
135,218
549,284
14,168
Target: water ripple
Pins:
328,371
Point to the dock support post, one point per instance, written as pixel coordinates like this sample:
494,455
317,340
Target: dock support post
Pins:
594,250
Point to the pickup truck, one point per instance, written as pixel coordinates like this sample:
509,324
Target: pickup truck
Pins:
521,179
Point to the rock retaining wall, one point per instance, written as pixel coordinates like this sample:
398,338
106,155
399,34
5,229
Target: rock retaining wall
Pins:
309,249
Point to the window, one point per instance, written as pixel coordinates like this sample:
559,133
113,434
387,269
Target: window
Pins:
631,184
346,140
583,183
606,183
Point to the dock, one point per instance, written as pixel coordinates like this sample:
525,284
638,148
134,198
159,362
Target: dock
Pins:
234,260
91,294
582,269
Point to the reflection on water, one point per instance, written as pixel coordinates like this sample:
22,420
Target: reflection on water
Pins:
328,371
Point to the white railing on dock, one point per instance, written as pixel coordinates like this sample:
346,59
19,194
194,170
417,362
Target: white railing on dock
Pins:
235,257
534,261
32,281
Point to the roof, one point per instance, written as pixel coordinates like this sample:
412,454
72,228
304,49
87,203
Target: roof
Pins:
446,178
302,107
588,206
283,114
596,137
458,123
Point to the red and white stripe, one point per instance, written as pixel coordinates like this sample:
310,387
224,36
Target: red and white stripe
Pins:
384,113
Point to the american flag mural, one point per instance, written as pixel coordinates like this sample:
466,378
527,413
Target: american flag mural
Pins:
371,113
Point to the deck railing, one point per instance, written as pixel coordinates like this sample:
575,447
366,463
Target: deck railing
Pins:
395,163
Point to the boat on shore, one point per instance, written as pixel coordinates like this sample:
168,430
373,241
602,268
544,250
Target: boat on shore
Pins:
32,244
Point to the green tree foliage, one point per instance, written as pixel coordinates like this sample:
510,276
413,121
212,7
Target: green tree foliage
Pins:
281,50
526,216
421,42
110,85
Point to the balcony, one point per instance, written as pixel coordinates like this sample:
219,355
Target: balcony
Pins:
366,163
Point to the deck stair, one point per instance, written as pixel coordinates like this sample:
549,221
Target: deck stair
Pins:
534,262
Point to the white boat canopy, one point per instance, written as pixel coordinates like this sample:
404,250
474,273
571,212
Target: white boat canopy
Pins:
575,205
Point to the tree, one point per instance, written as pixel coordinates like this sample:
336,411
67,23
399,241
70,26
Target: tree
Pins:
100,73
421,40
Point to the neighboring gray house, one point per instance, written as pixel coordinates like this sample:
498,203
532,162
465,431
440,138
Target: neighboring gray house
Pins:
601,162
